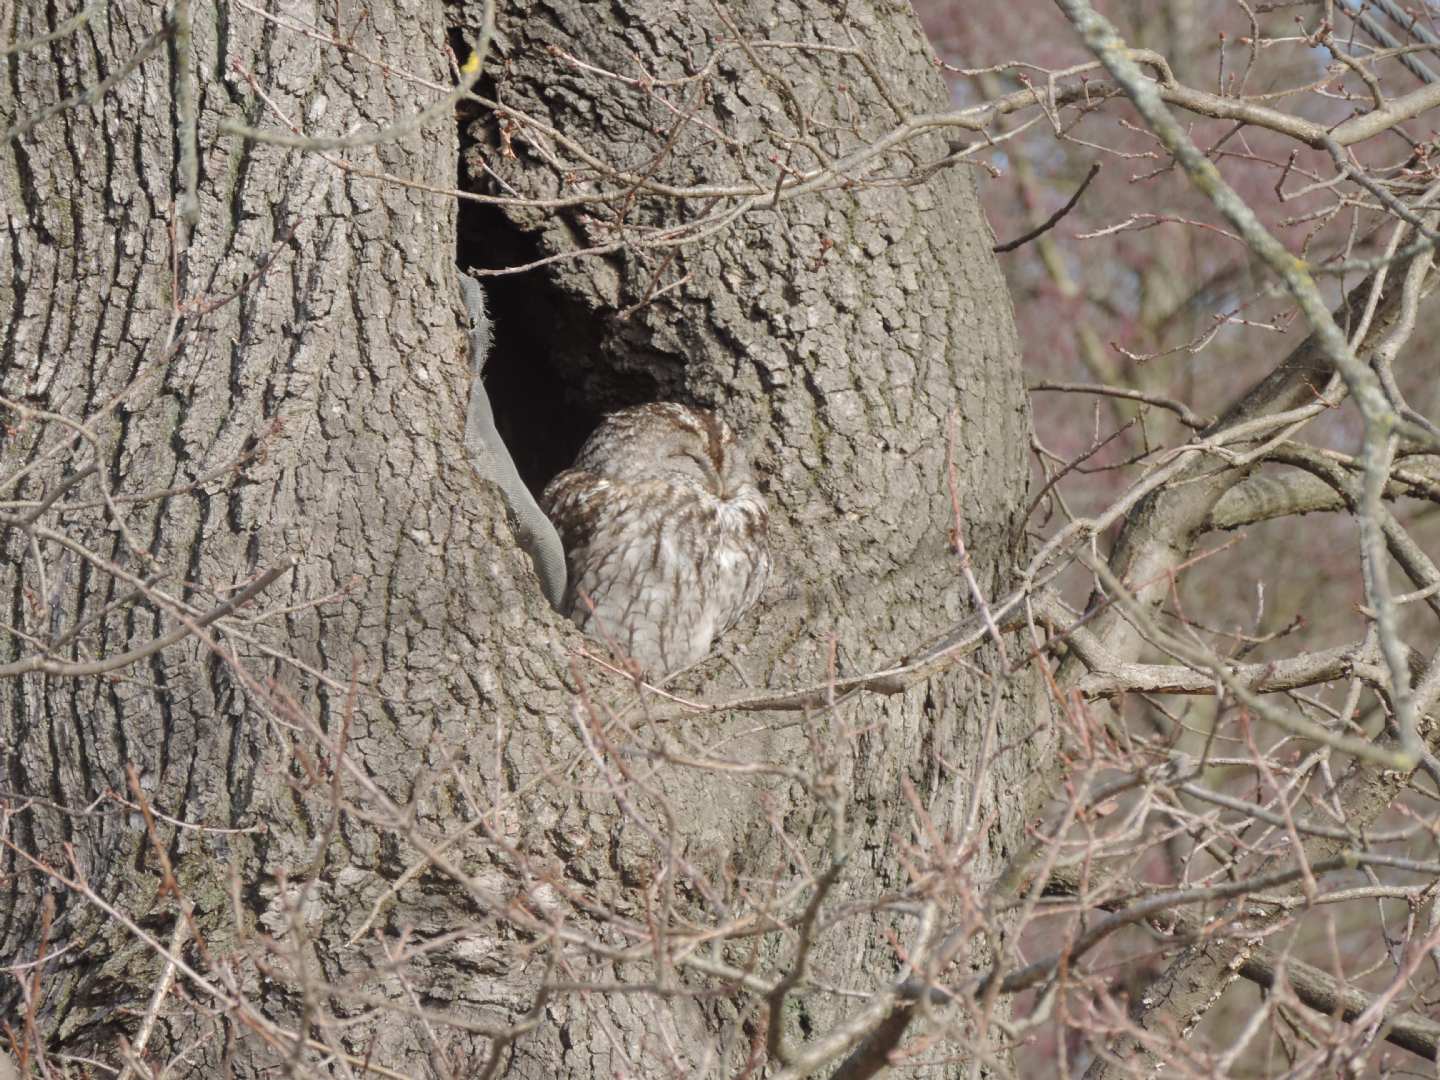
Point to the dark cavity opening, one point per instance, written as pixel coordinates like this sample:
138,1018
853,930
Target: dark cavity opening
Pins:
552,373
531,374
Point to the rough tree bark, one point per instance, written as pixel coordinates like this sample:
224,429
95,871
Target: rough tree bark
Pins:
393,763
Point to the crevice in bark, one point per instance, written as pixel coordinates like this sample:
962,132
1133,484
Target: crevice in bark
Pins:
542,340
551,376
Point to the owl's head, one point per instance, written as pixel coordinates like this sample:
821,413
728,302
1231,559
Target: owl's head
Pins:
671,442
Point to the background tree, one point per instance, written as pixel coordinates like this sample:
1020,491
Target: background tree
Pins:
1149,290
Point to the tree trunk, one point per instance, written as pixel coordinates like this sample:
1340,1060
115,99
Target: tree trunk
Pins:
383,815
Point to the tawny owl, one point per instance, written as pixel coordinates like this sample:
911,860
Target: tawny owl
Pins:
664,532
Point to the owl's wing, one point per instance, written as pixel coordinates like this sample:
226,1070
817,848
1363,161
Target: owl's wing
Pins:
581,505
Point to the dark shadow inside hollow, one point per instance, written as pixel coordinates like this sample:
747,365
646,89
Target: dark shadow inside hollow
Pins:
533,389
558,364
550,375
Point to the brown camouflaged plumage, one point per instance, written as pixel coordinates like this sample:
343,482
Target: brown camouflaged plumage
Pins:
665,533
